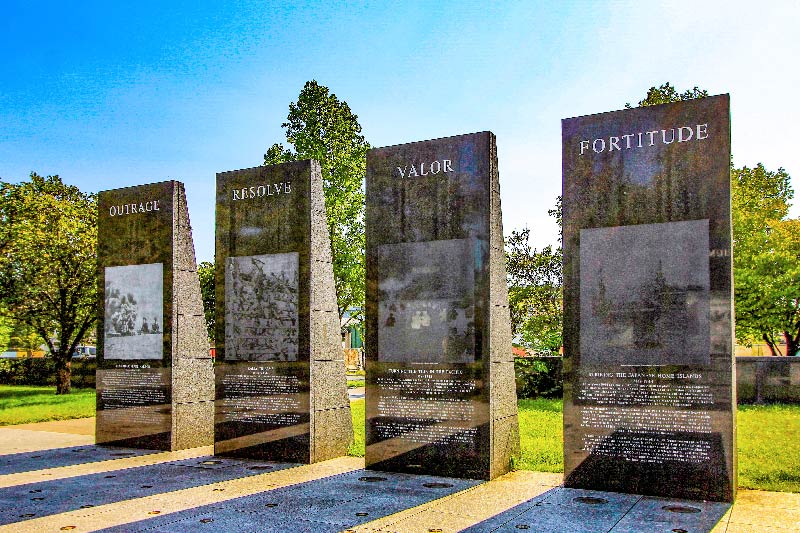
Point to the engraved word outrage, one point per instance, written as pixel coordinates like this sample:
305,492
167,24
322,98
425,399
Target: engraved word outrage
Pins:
644,139
274,189
425,169
128,209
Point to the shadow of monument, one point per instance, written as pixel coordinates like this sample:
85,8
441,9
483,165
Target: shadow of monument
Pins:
74,455
34,500
582,511
330,504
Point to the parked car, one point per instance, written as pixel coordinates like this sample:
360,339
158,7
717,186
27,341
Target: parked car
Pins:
86,352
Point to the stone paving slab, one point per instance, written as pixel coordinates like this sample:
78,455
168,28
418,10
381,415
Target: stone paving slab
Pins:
83,492
161,504
191,491
58,457
63,472
73,426
14,441
334,503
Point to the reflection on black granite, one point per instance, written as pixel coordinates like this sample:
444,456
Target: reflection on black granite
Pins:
645,294
656,463
429,219
263,411
135,258
262,407
648,394
426,311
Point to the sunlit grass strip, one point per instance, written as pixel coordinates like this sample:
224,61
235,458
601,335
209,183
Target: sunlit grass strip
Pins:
768,437
21,404
357,410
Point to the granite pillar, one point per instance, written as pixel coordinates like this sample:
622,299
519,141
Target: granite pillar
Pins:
440,390
155,387
649,396
281,390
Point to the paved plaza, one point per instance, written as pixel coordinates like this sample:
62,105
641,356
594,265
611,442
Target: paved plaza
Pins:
53,478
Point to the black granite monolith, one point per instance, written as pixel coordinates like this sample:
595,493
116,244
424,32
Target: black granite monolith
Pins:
281,390
155,382
649,397
440,390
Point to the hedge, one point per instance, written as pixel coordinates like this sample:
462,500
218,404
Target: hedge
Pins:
42,371
539,377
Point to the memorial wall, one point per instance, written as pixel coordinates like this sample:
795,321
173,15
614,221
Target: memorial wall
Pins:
154,370
440,390
649,401
280,378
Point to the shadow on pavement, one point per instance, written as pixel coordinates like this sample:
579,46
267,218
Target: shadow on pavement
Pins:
330,504
583,511
74,455
33,500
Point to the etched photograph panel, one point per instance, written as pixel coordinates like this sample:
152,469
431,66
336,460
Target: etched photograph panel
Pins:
261,307
644,294
426,308
134,312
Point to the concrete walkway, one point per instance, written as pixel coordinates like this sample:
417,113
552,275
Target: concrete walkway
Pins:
53,478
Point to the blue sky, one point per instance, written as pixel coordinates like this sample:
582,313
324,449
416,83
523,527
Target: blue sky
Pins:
112,94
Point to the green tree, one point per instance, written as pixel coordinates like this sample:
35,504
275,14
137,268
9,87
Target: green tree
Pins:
206,272
766,261
48,261
535,291
766,253
667,93
25,339
6,329
322,127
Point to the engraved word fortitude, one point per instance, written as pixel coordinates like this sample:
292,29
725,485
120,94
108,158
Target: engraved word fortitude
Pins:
425,169
644,139
274,189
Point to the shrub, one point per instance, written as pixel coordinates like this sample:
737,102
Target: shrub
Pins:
539,377
41,371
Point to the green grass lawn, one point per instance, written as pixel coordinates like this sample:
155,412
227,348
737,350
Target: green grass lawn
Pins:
357,410
541,434
767,434
22,404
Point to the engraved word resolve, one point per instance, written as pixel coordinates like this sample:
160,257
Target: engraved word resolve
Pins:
274,189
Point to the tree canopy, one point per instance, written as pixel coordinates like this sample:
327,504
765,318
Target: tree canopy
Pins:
48,260
766,259
535,290
667,93
766,250
534,293
205,271
322,127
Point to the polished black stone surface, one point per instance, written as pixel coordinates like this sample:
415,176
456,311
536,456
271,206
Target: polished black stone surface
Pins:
134,258
276,319
429,223
649,403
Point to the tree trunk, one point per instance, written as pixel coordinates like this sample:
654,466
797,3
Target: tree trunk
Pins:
63,373
791,343
771,343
